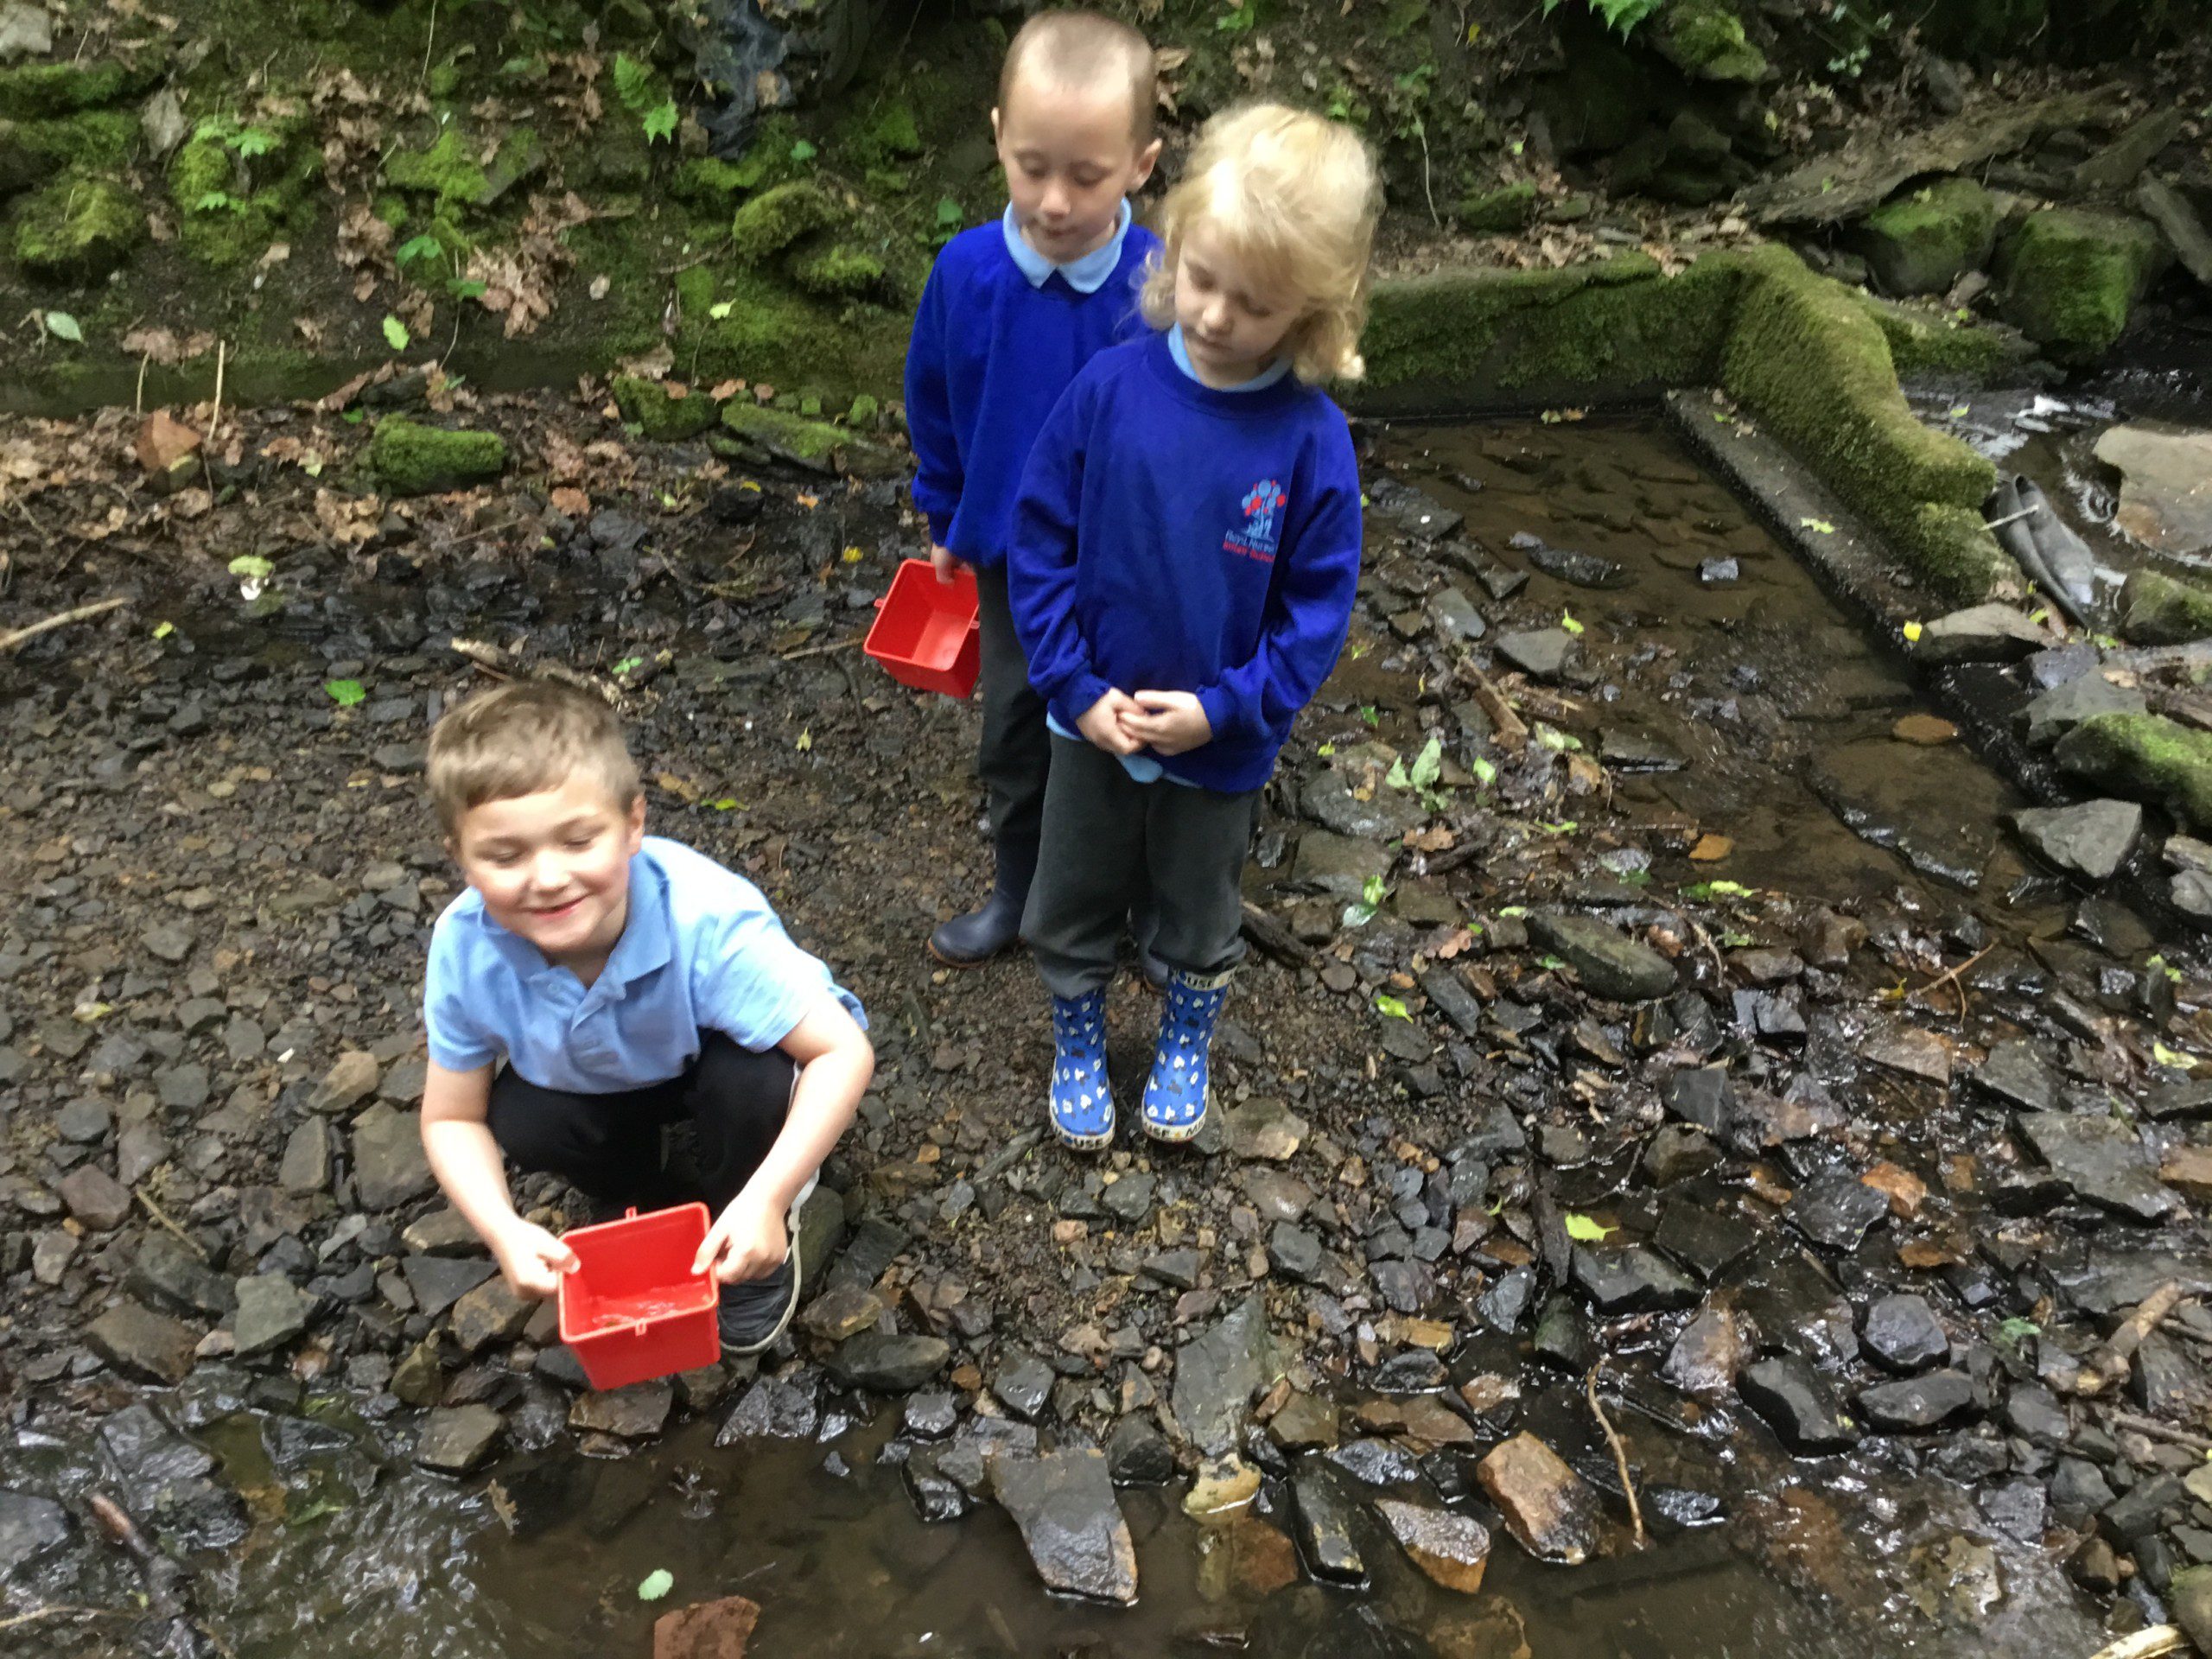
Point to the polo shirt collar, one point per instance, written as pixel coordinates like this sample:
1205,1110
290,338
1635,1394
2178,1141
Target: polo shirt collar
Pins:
1260,382
1086,276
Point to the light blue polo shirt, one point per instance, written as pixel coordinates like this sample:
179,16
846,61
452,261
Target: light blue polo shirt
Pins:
701,950
1087,274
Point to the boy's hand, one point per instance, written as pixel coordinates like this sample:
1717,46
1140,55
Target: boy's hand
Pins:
532,1260
946,563
1168,722
1105,723
747,1241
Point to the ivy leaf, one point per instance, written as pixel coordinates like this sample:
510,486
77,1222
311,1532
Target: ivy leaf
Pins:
1912,632
1584,1230
62,326
1485,773
253,567
806,740
1566,620
803,151
395,334
948,212
162,630
656,1584
722,308
425,246
345,693
1391,1006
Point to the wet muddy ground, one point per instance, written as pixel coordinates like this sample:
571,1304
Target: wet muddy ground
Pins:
1431,1093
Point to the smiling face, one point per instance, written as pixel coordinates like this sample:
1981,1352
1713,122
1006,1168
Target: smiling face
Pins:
1233,323
1071,155
554,868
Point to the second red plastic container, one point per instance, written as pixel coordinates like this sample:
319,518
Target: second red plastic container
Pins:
926,633
632,1309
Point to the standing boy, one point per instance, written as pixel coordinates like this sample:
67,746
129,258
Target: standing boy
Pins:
1011,311
628,983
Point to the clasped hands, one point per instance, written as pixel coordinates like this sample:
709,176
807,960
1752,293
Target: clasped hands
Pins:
1167,723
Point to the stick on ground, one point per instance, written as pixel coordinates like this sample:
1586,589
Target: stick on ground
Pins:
59,620
1620,1456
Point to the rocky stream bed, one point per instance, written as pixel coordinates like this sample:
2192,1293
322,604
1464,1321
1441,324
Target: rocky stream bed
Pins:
1650,1010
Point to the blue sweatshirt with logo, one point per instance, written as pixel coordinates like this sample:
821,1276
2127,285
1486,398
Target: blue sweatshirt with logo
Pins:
1173,537
1000,334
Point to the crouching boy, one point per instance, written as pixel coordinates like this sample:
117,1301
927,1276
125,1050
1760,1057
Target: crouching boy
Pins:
627,984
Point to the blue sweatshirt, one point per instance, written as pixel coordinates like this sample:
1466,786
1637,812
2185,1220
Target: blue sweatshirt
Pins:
999,335
1173,537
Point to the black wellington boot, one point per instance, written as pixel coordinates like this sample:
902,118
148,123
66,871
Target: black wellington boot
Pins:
971,940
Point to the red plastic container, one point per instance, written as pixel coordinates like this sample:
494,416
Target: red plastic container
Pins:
633,1309
925,633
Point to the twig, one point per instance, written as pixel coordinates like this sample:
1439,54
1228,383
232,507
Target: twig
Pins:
59,620
1950,976
215,417
2009,519
139,404
2109,1366
2150,1643
1272,937
429,44
2152,1429
156,1212
818,651
1620,1455
58,1611
1512,730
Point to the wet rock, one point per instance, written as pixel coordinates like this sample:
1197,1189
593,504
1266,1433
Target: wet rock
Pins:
95,1198
1546,1507
272,1311
437,1282
305,1167
1218,1371
2101,1159
1325,1518
1706,1241
1224,1485
1793,1400
1417,1370
1249,1558
1329,799
1607,962
1023,1384
1177,1270
1304,1424
2014,1071
456,1439
2059,710
1910,1050
1581,570
2144,1508
1707,1356
1902,1334
1137,1454
2163,500
778,1407
1295,1252
2034,1414
1541,653
30,1526
937,1497
1987,633
1634,1280
1064,1504
389,1168
635,1412
418,1380
444,1231
2091,840
1378,1463
1455,616
1504,1304
1678,1151
843,1310
1563,1336
490,1313
1837,1210
143,1343
708,1630
1339,865
1701,1095
1453,1550
887,1363
1914,1403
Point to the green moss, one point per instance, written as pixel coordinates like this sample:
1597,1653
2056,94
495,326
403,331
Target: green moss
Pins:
446,170
38,91
77,229
1930,347
1923,242
94,141
1813,368
1607,328
663,418
231,207
2146,756
409,459
713,185
775,219
1508,207
2072,277
2157,609
1704,40
865,412
816,445
839,271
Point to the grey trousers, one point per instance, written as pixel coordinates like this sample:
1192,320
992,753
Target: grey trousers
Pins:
1015,751
1111,844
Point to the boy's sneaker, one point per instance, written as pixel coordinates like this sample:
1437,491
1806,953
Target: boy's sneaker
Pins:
755,1314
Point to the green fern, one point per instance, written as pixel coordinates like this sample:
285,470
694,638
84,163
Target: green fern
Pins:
633,83
660,121
1621,14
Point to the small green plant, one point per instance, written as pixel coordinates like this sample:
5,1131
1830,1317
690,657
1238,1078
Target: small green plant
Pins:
396,334
1391,1008
1239,20
1584,1229
1372,893
345,693
645,96
1622,16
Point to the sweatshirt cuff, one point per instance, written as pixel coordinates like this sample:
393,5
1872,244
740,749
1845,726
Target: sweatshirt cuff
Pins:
1221,711
1076,696
940,527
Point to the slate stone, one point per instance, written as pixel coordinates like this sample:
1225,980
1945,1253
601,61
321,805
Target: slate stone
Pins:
1177,1270
1505,1303
1129,1199
1902,1334
2016,1072
1325,1518
1793,1400
1453,1550
2091,840
30,1526
887,1363
1138,1454
1546,1507
1218,1371
456,1439
1295,1252
1705,1358
2102,1160
1328,799
490,1313
1915,1403
2034,1414
272,1311
1706,1241
1023,1383
937,1497
438,1281
1837,1210
1701,1095
305,1167
1608,964
1634,1280
1563,1336
2059,710
389,1167
1378,1463
1678,1151
95,1198
778,1408
635,1412
1064,1506
142,1343
1540,653
1992,633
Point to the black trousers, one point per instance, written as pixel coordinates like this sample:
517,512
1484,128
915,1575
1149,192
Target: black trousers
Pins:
609,1146
1015,750
1113,845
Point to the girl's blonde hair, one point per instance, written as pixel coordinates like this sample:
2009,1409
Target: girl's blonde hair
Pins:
1295,199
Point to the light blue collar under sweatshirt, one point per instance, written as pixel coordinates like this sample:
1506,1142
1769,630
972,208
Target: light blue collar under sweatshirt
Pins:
1260,382
1087,274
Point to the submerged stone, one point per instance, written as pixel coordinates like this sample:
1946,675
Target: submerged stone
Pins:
456,1439
1064,1504
1608,963
1546,1507
1707,1356
1793,1400
2091,840
1453,1550
1914,1403
1326,1517
2101,1160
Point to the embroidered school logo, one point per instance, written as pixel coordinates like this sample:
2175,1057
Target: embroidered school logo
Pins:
1262,530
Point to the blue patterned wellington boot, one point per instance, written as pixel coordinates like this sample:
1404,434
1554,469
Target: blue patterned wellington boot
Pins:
1080,1101
1176,1094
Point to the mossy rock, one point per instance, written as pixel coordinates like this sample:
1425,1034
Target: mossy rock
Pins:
411,459
448,170
775,219
1704,40
715,186
1929,347
618,157
814,445
2157,609
839,271
1924,241
2072,277
77,229
231,207
2148,757
40,92
663,416
1814,369
1491,213
92,141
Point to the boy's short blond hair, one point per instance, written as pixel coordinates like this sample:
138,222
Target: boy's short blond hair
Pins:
521,738
1294,196
1075,48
